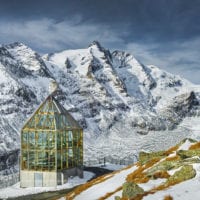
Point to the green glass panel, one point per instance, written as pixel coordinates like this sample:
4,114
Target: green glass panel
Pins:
51,140
43,160
42,142
58,140
31,160
64,141
24,137
62,122
45,107
24,140
31,123
70,138
70,162
70,152
31,139
51,160
58,160
58,126
24,160
41,120
64,158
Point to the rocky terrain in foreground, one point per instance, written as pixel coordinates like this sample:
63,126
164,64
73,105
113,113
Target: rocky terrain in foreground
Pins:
171,174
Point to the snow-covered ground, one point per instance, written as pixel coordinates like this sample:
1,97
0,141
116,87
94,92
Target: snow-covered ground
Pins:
193,124
98,190
145,186
128,147
187,190
16,191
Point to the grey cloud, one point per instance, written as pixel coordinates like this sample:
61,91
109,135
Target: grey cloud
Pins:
168,38
179,58
50,35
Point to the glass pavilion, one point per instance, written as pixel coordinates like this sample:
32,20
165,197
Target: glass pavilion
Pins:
51,141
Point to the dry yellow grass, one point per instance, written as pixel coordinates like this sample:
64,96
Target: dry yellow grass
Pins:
171,150
168,197
138,176
142,179
161,174
124,198
160,187
137,173
151,162
177,157
195,146
81,188
138,164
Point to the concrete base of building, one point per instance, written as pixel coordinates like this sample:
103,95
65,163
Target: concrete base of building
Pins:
47,178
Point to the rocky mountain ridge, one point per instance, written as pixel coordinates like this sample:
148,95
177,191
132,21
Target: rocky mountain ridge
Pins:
109,93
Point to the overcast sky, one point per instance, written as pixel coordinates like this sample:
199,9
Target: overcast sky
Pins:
165,33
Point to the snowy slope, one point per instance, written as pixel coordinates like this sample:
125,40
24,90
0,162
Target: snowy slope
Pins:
183,191
16,191
112,95
106,186
175,182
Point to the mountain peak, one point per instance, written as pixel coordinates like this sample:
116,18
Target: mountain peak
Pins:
15,44
120,53
97,44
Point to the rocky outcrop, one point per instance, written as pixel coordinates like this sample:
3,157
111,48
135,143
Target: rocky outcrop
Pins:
131,190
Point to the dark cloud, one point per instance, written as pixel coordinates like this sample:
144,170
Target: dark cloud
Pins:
161,32
148,19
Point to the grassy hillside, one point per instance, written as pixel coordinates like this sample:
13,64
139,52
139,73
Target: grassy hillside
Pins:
155,176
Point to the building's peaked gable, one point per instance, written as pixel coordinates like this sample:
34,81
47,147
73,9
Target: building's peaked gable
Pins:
51,115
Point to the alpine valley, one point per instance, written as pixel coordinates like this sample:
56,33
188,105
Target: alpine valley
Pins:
123,105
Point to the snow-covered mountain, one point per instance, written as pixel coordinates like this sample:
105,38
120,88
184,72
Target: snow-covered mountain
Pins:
115,98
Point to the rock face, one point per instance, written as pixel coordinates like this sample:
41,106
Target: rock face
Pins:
185,173
131,190
109,94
